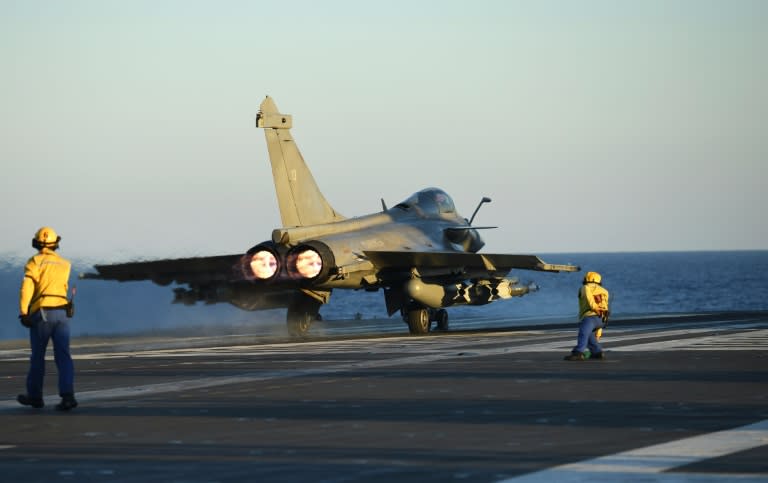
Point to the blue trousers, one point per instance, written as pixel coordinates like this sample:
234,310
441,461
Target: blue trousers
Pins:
50,324
586,338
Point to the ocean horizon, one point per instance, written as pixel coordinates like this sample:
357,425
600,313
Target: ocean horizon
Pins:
640,284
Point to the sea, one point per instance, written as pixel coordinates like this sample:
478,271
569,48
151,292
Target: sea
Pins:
640,285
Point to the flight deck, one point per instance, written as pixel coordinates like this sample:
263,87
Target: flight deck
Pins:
681,398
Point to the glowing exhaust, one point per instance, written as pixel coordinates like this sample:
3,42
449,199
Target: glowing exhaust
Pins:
263,264
309,263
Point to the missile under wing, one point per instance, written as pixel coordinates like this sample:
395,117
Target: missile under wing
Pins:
421,253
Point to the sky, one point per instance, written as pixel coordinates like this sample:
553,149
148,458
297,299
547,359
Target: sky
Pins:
594,125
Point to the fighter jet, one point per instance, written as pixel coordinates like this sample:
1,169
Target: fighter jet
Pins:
421,253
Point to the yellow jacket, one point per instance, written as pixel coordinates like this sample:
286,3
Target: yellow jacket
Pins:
46,282
593,300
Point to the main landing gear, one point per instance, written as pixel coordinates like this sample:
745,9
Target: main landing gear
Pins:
300,316
419,319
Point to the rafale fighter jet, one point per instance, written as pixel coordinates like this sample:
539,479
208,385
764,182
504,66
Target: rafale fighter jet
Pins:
421,252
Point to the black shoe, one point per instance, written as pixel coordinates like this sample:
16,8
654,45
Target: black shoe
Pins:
597,356
575,356
67,402
25,400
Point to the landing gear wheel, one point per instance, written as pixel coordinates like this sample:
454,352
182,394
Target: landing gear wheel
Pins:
300,317
418,321
441,316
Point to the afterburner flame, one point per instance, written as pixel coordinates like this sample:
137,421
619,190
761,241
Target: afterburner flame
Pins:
263,264
309,263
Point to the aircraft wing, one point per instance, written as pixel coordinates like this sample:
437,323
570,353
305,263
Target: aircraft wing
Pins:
224,268
468,262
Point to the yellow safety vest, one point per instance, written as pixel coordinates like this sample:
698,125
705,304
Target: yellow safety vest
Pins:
46,282
593,300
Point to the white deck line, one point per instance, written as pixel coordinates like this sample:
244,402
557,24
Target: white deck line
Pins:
647,464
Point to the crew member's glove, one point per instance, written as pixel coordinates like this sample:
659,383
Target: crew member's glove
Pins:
25,320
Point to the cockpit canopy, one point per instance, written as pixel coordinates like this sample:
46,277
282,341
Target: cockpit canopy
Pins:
430,201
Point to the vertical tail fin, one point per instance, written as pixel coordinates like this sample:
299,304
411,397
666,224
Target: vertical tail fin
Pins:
298,196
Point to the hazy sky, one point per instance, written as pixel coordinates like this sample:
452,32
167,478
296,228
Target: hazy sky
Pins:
594,125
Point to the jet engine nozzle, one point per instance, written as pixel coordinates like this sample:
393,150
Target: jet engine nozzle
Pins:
261,262
310,261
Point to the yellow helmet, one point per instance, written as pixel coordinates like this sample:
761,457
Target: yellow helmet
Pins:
46,237
592,277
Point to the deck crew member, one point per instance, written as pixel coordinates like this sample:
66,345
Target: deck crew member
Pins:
593,316
44,309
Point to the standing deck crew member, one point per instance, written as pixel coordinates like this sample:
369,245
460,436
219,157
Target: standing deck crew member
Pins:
44,309
593,316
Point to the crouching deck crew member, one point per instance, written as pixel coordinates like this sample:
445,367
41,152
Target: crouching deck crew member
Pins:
593,317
